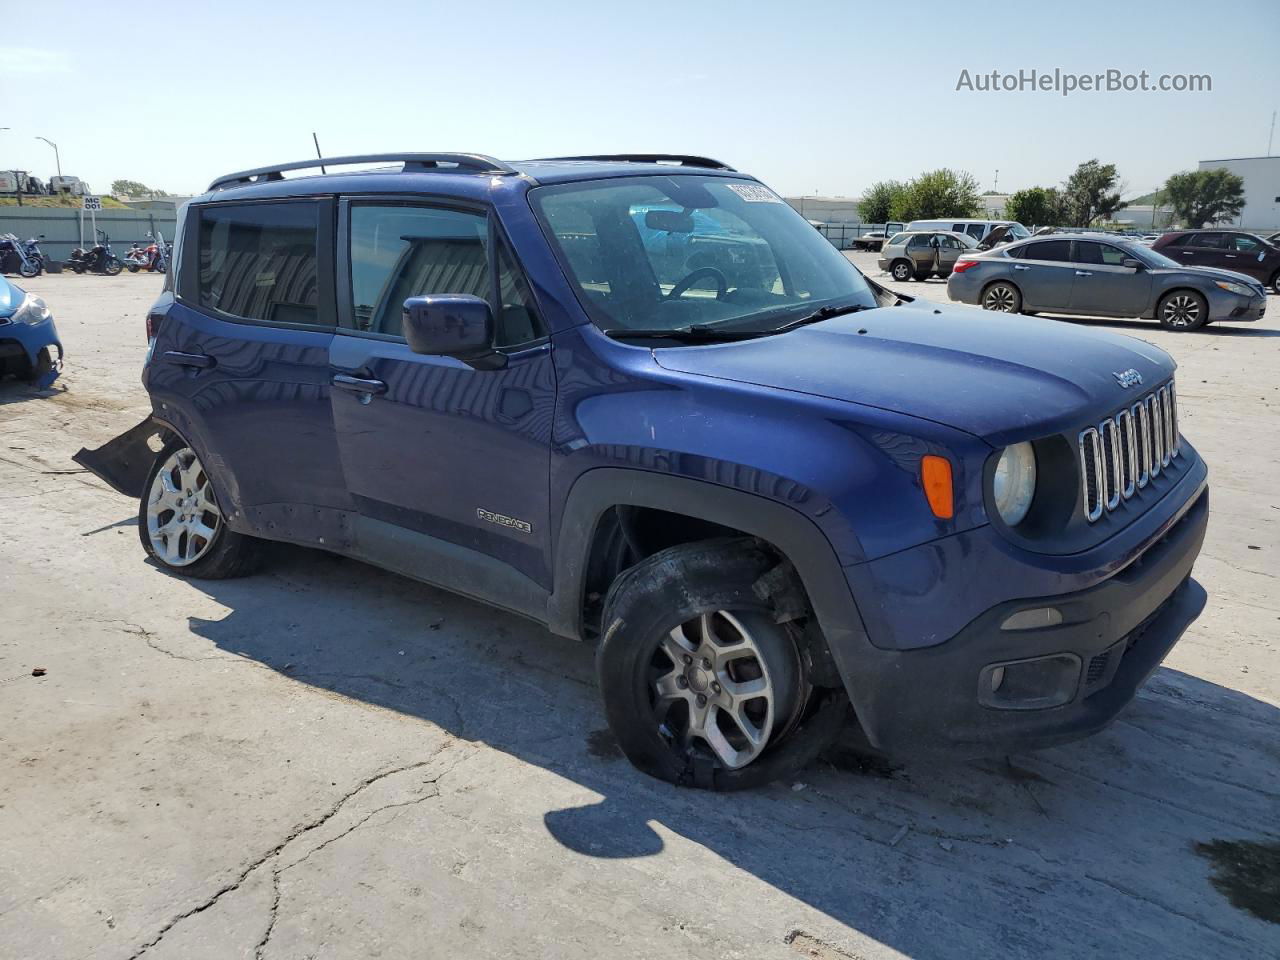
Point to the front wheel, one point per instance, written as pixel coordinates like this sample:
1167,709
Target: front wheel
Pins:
1183,310
181,524
1275,282
112,267
1002,298
29,269
701,686
133,267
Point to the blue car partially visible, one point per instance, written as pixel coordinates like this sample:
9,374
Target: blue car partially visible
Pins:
29,344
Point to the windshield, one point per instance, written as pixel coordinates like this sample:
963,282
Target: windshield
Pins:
1152,258
669,252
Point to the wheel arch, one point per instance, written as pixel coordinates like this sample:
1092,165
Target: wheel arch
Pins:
793,535
982,291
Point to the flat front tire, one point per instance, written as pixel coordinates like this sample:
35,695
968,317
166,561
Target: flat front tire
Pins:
181,525
701,686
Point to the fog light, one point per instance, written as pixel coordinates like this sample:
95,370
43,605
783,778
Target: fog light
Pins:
1036,683
1033,619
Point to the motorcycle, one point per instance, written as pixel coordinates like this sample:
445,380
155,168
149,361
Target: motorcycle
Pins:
153,258
24,259
98,259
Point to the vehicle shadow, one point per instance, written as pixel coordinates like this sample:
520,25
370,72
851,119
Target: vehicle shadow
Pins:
1138,326
18,391
1080,850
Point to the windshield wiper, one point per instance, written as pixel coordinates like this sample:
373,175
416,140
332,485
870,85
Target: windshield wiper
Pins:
693,333
822,313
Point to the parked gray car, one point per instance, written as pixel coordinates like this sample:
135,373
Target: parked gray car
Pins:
1082,274
921,254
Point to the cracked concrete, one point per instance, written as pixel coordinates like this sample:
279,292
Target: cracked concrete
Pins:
330,761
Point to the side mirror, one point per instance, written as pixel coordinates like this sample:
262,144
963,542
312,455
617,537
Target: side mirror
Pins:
452,325
1131,263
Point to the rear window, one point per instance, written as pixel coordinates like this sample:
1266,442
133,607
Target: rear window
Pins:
898,239
258,261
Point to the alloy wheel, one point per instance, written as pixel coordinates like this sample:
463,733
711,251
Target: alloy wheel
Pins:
712,689
901,272
1181,310
999,298
183,518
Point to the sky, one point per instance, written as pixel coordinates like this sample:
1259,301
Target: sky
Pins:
811,96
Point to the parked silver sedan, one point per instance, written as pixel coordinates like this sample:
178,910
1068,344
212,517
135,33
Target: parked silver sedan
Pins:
1082,274
920,254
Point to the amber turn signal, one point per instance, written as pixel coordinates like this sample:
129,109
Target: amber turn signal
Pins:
935,475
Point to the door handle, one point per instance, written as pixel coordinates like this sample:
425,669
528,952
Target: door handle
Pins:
197,361
1231,256
1084,273
1019,266
358,384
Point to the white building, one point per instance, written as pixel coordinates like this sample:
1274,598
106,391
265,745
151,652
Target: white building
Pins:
828,209
1261,189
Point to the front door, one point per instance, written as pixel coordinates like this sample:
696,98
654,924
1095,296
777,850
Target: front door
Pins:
1104,285
920,250
441,452
240,363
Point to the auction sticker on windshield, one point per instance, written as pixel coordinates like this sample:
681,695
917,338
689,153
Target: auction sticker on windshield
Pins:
754,193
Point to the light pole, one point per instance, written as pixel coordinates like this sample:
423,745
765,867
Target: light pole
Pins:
56,159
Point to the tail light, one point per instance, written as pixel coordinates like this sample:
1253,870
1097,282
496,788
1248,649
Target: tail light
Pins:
153,325
963,265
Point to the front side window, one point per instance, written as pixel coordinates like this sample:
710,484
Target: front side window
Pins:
666,252
258,261
403,251
1247,244
1100,254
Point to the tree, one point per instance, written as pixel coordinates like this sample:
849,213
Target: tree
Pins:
1035,207
938,193
876,205
132,188
1091,193
1205,196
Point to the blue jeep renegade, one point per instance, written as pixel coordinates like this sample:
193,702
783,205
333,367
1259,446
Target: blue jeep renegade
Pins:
640,400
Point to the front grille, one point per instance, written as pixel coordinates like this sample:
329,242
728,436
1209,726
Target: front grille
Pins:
1123,453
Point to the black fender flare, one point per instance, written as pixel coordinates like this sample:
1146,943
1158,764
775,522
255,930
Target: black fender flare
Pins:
791,532
123,463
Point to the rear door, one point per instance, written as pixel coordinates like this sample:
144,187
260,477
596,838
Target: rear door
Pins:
920,250
441,458
1202,250
1045,274
1103,284
240,363
1245,254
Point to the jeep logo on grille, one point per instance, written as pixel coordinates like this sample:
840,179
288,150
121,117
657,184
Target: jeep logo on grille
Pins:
1128,378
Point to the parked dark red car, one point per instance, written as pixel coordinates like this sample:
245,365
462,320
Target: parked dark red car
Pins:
1225,249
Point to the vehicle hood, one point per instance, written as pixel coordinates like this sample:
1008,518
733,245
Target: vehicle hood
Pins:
1000,377
1213,273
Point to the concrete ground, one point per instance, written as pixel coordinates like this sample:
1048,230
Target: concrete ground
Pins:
325,760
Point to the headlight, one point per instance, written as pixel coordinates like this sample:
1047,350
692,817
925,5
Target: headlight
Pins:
1237,288
33,310
1014,483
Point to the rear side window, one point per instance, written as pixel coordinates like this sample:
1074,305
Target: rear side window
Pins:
976,230
258,261
1211,241
1056,250
1179,241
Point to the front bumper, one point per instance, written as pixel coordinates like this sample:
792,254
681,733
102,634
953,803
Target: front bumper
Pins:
23,343
1224,305
1113,634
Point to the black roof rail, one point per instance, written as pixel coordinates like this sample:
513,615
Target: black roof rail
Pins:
465,162
683,160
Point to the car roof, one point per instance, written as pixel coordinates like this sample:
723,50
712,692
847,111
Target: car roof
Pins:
466,182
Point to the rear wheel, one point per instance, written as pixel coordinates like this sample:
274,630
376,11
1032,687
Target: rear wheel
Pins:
902,271
181,524
1183,310
1002,297
1275,282
701,686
